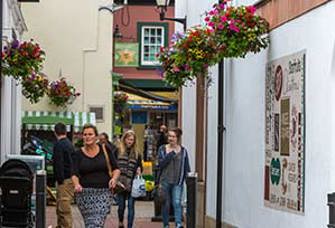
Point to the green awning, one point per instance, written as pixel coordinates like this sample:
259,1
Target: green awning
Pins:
44,120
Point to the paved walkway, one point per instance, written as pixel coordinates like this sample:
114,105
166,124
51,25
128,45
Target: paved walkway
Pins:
144,211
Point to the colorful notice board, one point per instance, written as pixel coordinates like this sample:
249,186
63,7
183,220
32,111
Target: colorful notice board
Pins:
284,184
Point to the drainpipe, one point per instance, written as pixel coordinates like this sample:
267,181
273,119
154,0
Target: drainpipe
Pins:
1,8
220,131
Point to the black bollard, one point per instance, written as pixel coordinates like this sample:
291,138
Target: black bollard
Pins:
40,199
191,182
157,203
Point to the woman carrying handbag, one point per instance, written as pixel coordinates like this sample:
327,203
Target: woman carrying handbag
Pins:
93,179
130,164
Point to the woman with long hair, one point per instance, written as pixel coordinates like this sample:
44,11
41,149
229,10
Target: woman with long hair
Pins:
91,178
130,164
174,166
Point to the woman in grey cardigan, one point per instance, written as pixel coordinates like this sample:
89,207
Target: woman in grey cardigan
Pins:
174,166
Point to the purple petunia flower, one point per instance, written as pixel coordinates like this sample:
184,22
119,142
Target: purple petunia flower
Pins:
177,36
15,44
160,71
222,5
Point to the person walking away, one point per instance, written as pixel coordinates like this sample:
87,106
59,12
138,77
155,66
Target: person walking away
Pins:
92,179
145,143
162,136
174,166
62,162
130,164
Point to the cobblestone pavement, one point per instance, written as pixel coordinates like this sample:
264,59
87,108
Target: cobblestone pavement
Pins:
144,211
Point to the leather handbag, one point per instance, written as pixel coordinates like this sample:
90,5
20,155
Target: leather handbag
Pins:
119,186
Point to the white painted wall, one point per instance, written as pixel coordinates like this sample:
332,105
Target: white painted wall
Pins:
244,118
244,155
77,39
10,91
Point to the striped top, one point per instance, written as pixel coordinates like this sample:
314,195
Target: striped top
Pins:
128,165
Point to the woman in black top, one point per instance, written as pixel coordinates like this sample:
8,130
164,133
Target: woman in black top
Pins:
91,180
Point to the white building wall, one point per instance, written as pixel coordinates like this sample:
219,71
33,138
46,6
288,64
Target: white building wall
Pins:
77,39
244,148
244,155
10,91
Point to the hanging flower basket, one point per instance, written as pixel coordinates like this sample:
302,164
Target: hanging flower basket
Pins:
229,32
61,93
238,28
34,87
120,102
189,56
20,60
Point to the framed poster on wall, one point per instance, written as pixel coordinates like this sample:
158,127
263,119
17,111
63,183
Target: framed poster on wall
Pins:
284,184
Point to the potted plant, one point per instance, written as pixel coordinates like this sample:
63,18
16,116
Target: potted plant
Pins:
61,93
120,102
21,59
34,87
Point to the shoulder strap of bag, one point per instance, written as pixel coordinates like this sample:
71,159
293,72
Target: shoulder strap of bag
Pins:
108,163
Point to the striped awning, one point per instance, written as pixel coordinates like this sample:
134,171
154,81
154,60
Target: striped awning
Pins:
44,120
82,118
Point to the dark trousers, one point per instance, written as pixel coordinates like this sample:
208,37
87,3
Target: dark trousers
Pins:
122,197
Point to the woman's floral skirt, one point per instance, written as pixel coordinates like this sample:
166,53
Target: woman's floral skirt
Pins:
94,205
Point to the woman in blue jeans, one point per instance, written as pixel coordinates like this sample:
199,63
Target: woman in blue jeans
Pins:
174,166
130,165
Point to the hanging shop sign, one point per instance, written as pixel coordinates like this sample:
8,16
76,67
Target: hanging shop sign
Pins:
126,54
285,133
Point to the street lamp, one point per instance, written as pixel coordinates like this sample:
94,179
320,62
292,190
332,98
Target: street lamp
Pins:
162,6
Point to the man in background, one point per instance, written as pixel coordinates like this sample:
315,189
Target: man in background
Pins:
62,162
162,136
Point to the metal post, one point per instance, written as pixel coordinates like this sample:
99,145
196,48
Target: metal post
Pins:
191,183
40,199
331,204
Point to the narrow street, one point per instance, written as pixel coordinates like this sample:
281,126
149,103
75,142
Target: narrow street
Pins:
144,210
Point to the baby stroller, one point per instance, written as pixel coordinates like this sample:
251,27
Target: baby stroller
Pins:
16,185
